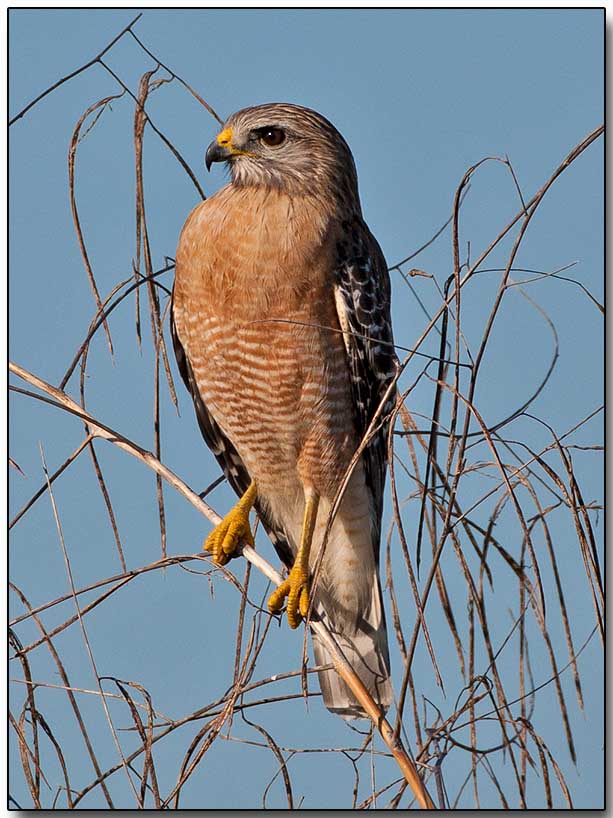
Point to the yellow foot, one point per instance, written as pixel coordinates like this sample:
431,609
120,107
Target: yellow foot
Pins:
234,529
296,589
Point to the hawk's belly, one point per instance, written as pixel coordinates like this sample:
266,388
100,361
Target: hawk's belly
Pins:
280,391
289,415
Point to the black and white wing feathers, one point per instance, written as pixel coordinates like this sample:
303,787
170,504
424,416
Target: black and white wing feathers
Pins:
362,295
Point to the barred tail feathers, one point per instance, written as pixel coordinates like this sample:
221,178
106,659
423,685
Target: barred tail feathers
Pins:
366,650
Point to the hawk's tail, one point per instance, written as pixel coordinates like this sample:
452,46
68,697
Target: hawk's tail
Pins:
366,650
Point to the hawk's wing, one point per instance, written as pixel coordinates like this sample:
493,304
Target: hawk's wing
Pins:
228,458
362,295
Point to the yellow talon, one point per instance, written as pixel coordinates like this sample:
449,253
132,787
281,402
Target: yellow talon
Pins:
296,589
296,586
234,529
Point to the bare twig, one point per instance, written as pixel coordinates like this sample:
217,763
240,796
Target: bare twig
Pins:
342,667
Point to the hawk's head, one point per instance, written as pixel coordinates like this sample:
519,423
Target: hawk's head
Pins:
287,147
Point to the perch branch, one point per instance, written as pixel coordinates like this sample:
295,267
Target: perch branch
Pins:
343,668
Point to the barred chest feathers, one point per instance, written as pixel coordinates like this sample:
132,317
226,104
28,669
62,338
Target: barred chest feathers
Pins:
271,361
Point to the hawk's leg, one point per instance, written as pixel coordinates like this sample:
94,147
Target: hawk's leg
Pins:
296,586
225,538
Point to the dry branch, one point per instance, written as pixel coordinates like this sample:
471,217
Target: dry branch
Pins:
77,71
342,667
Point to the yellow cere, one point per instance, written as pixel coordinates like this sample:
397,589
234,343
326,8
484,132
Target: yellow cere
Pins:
225,138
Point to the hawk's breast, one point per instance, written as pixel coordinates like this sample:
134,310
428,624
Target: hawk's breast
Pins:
254,309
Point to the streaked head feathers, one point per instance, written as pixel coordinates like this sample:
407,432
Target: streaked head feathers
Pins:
288,147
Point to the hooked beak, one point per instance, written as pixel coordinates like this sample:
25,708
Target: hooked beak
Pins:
216,153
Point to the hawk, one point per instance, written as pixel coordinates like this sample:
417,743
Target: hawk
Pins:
282,332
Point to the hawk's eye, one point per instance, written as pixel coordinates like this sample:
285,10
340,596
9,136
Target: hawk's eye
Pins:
272,136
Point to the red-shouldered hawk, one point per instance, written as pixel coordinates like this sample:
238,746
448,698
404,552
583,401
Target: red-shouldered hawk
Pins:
282,331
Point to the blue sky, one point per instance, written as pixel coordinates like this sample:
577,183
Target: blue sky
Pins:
419,96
